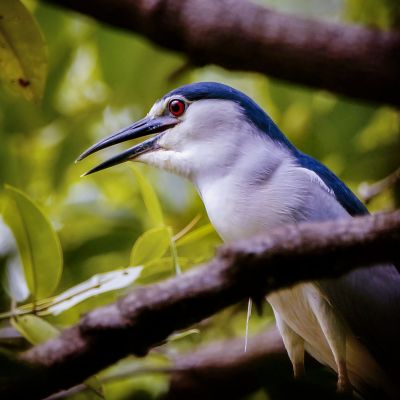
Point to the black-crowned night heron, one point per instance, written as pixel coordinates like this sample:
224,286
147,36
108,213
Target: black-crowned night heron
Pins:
252,179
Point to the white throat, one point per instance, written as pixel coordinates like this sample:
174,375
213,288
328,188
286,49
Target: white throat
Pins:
255,193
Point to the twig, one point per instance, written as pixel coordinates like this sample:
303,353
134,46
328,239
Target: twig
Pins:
187,228
368,192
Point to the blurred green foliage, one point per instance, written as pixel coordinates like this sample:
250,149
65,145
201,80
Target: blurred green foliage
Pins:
99,80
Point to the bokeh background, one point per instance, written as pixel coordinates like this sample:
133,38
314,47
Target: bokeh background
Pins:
101,79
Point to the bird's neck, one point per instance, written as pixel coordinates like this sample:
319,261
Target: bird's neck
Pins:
236,197
244,164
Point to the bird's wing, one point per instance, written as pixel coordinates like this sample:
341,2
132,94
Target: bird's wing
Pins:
367,299
369,302
343,194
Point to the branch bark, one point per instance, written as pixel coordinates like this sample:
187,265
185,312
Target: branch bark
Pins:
350,60
224,370
252,268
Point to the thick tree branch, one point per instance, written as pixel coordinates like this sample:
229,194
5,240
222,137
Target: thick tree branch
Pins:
349,60
244,269
224,370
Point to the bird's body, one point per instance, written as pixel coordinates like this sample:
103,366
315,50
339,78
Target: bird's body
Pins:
253,198
251,180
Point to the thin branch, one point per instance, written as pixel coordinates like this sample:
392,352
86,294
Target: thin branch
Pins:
65,394
187,228
368,192
241,270
241,35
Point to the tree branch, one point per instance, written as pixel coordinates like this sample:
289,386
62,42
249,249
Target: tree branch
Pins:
241,35
370,191
224,370
251,268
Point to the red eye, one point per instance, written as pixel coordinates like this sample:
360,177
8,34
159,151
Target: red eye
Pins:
176,107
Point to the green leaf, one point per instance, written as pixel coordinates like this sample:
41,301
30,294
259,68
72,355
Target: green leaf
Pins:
37,242
36,330
150,246
150,199
23,54
195,235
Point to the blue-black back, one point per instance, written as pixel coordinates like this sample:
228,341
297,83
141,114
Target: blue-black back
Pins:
343,194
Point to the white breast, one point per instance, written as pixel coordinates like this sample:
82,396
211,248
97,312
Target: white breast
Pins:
252,199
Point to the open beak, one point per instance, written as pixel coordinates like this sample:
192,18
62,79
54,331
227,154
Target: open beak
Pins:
145,126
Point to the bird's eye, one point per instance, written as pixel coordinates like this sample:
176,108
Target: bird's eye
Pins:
176,107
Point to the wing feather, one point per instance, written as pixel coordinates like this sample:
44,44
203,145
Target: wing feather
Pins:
367,299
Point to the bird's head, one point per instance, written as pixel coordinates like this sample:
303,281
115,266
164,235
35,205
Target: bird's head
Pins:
195,128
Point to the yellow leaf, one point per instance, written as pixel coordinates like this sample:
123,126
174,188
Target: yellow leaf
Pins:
23,54
195,235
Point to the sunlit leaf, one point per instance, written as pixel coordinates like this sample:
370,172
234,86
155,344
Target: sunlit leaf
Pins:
150,199
96,285
23,54
35,329
37,242
150,246
195,235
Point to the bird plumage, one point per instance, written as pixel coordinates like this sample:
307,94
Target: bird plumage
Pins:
252,179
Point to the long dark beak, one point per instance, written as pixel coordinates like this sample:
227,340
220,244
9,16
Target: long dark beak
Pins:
145,126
